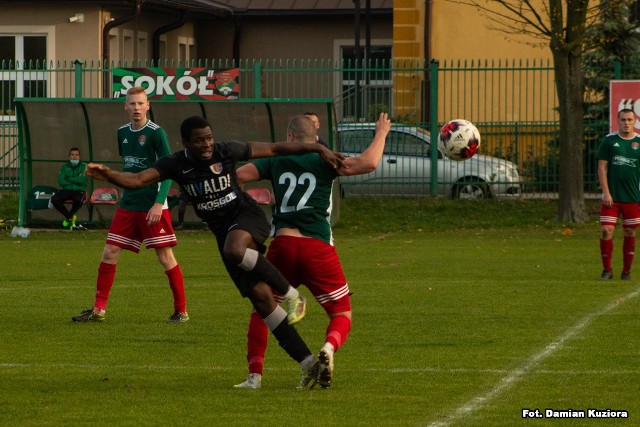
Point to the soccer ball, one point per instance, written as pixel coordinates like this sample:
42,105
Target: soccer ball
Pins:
459,139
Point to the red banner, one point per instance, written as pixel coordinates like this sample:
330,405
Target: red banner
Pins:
179,84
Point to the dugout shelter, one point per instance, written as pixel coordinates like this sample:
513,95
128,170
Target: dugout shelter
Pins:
48,128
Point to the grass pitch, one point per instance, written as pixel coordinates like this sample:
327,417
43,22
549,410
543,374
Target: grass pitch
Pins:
464,315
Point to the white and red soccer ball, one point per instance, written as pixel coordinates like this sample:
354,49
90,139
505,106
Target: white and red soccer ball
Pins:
459,139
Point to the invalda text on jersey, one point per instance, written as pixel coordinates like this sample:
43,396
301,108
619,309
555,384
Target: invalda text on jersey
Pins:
209,187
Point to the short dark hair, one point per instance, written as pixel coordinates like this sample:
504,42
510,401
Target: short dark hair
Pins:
625,110
74,149
303,128
191,123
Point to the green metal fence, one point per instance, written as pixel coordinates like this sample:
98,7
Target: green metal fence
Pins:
513,104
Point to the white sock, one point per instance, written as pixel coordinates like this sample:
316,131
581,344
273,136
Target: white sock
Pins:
249,260
291,293
328,347
276,317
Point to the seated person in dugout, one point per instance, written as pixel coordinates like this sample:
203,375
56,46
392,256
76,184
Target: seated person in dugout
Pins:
73,183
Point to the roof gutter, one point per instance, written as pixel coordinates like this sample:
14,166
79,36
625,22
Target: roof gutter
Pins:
308,12
106,54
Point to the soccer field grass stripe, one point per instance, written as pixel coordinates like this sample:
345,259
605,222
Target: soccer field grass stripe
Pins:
89,286
515,375
276,370
446,306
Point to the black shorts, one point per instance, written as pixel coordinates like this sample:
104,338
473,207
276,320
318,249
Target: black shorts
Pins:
252,220
61,196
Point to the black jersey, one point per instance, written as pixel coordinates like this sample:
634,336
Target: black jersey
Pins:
212,185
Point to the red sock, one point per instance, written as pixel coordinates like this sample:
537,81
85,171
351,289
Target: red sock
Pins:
606,250
176,282
337,331
628,249
257,338
106,276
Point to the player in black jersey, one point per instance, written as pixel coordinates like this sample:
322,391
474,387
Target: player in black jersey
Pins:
206,172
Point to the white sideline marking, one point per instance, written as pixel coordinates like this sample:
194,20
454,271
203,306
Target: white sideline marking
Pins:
504,371
516,374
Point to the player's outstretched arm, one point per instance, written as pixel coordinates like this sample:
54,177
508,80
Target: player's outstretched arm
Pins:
265,149
369,159
123,179
247,173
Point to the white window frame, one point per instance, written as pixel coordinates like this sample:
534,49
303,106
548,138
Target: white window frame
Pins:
19,75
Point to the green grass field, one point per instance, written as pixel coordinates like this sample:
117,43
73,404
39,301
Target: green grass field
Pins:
464,315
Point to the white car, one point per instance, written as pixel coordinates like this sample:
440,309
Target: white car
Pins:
406,165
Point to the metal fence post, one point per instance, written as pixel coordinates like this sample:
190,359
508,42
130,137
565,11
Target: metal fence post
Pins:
433,125
77,65
257,76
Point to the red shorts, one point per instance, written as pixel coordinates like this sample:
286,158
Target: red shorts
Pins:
315,264
630,214
129,230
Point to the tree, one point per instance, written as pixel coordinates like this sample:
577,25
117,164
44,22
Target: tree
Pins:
561,24
613,39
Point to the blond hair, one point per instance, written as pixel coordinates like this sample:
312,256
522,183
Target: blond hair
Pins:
135,90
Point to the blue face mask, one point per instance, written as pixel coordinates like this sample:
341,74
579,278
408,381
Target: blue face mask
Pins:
74,162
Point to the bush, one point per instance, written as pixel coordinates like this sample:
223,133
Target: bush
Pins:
8,205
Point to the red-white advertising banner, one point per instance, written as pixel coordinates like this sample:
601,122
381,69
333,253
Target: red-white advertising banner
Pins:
179,84
623,94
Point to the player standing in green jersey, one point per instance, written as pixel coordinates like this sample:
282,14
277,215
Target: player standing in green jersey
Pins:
619,175
303,245
143,215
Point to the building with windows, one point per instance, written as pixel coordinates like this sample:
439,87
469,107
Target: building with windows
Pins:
34,35
284,35
68,48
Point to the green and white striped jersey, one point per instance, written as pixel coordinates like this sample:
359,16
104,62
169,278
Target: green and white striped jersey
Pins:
139,150
623,167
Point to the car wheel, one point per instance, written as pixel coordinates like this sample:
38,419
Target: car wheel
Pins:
469,190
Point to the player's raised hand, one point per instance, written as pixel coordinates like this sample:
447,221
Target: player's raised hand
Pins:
98,171
383,124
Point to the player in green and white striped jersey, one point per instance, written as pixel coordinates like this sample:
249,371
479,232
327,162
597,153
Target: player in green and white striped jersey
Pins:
143,215
619,175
